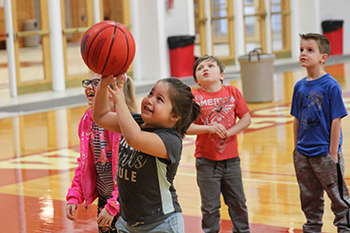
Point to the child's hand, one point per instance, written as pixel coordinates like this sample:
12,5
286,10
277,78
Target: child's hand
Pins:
218,130
117,91
334,157
106,80
70,211
104,218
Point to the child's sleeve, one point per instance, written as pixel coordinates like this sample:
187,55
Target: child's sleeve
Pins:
294,110
75,192
173,144
336,103
242,107
112,205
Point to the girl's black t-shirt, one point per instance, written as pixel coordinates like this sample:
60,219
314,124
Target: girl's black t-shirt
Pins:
145,182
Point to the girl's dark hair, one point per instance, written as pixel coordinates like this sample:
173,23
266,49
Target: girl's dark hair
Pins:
183,104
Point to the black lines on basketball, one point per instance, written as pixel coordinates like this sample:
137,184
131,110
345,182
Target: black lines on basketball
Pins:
108,48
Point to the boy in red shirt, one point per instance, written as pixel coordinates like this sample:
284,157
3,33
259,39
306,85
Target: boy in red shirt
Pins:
217,160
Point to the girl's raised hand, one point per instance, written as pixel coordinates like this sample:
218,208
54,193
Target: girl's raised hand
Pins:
106,80
117,90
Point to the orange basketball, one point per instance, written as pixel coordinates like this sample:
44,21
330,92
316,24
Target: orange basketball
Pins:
108,48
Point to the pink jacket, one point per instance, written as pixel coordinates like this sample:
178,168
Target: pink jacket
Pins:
84,181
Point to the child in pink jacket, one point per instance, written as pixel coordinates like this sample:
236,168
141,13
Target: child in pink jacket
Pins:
95,175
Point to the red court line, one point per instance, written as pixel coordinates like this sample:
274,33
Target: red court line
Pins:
23,64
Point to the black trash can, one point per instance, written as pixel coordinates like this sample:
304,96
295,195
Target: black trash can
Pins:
181,53
333,30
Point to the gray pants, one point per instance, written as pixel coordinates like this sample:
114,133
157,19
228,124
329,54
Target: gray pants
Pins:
214,178
316,175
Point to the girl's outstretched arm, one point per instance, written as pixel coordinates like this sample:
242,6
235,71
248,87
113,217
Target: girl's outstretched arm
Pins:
147,142
101,113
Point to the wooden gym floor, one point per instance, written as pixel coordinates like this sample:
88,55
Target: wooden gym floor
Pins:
38,153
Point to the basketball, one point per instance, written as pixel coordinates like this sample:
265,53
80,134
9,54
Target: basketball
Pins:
108,48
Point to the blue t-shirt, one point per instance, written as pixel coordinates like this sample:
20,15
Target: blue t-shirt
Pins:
315,104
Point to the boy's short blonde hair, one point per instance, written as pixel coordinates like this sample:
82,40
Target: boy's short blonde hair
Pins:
323,43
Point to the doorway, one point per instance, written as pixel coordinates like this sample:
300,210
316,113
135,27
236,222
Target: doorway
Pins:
214,29
266,25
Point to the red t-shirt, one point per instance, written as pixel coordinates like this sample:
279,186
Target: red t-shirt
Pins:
223,107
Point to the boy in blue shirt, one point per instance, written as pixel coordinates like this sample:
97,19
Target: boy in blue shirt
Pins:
318,108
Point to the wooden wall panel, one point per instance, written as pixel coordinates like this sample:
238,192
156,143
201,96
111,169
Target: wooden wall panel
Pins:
113,10
2,25
79,17
24,11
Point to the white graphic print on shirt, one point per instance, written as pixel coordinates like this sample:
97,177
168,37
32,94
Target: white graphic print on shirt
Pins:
218,110
130,160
